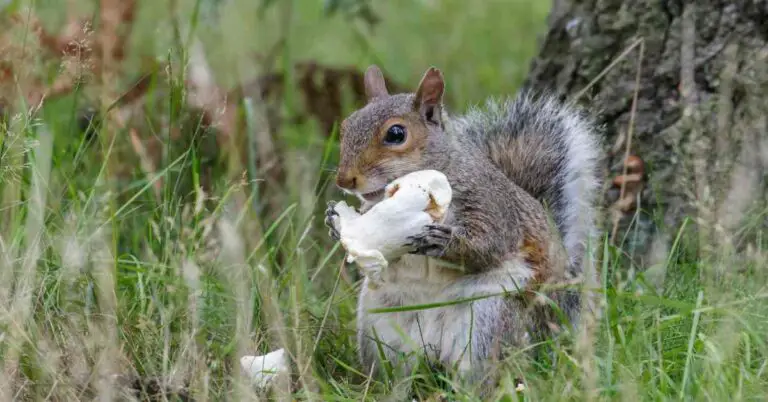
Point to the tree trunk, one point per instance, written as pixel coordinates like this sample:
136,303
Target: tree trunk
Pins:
699,70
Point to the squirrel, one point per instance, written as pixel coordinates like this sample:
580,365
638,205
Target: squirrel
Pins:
512,166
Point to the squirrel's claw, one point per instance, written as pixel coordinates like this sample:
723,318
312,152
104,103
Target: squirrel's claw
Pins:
332,221
334,234
433,241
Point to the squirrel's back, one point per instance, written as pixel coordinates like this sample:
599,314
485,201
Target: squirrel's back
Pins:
548,149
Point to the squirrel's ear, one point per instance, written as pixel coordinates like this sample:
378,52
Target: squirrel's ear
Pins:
374,83
429,96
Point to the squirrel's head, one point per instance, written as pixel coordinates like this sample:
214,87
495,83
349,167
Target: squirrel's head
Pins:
387,137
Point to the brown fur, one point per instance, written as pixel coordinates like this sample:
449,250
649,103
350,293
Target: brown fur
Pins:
536,255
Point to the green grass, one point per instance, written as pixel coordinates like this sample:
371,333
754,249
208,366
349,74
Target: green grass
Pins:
101,275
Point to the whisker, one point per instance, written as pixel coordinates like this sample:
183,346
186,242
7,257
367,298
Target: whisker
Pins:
330,168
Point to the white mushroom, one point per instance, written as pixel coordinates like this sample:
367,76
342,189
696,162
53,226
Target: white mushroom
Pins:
380,235
262,370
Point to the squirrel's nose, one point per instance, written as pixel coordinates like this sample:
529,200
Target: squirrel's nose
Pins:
346,181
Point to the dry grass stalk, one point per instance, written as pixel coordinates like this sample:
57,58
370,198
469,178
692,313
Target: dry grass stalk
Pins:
146,162
19,309
723,137
74,254
592,304
237,273
261,153
698,141
14,166
105,325
191,367
203,93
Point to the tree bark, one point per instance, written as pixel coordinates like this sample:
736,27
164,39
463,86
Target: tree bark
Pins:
699,70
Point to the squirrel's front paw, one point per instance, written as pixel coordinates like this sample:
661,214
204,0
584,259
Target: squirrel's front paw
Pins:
332,221
432,241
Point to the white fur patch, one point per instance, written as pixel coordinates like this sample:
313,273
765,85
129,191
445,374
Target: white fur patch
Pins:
581,184
445,332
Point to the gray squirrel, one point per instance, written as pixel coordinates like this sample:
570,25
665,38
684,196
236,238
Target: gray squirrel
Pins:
524,175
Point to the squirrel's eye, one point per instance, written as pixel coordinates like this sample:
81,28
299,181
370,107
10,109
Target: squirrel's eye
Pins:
395,135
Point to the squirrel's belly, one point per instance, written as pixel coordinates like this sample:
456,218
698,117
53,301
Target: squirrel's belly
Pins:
443,332
414,280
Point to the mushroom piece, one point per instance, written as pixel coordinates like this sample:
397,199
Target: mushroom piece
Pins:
381,234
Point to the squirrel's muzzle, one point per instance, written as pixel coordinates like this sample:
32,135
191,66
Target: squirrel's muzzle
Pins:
346,181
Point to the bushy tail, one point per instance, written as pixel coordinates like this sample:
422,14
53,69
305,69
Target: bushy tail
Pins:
550,150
